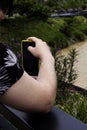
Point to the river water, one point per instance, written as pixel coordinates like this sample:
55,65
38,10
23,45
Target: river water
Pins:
81,64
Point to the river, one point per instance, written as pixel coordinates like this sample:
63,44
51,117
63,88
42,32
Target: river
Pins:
81,64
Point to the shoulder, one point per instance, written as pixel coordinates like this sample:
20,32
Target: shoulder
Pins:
10,68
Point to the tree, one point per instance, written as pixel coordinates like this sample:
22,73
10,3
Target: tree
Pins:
31,8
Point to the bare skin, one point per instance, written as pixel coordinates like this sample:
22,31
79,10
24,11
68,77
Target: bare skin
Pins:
35,95
2,15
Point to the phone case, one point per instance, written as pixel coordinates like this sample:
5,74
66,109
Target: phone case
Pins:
30,63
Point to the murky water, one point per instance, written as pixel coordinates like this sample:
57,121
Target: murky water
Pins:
81,64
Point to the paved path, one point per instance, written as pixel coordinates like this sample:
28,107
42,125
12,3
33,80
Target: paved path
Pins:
81,64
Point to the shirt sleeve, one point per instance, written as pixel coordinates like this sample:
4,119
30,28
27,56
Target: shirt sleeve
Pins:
10,69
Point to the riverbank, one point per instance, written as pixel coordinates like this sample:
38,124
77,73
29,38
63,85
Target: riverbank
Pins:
81,63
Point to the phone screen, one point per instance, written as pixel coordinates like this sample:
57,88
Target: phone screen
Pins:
30,63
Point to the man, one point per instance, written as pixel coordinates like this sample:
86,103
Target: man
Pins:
17,88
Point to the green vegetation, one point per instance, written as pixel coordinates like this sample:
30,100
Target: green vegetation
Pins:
66,4
59,33
31,8
68,99
66,72
76,105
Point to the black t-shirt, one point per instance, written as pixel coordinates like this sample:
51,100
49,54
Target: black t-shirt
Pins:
10,69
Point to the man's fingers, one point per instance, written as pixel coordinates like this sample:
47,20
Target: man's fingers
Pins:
34,39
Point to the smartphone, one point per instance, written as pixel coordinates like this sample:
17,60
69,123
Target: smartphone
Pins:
29,62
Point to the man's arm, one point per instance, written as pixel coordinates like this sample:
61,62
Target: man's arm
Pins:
35,95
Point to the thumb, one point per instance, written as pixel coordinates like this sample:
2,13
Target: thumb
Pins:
31,49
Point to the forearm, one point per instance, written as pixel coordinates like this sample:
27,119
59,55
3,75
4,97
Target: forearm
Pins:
46,80
47,73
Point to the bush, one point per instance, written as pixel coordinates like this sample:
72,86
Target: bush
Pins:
65,67
59,41
66,73
75,105
31,8
82,109
78,35
75,29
